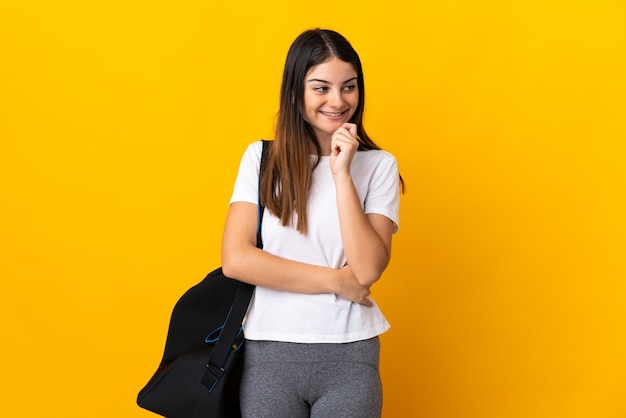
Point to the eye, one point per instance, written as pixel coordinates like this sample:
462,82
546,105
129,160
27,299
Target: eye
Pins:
321,89
350,87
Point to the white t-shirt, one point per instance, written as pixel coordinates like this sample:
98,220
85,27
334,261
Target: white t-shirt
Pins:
323,318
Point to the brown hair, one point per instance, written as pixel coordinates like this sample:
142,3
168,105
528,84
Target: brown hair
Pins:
286,182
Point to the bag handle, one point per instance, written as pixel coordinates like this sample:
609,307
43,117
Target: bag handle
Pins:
231,337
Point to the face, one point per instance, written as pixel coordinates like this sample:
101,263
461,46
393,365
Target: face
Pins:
331,96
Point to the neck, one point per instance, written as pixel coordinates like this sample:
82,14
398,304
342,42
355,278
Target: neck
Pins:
324,141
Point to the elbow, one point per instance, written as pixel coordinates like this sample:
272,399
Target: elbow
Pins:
226,270
235,261
369,276
229,266
368,279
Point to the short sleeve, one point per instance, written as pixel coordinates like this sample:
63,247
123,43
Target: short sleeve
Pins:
247,182
383,195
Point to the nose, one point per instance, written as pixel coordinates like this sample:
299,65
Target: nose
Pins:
334,98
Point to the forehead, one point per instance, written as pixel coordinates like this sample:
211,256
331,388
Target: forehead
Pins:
333,69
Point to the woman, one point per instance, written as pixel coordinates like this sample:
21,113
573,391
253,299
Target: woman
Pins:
331,198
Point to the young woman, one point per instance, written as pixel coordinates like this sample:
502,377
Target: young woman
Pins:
331,200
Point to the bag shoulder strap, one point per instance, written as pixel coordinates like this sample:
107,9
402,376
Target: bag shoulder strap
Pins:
232,335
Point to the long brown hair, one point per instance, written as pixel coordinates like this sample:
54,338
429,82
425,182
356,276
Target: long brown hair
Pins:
286,182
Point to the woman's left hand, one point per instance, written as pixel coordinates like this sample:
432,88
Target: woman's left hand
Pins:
343,147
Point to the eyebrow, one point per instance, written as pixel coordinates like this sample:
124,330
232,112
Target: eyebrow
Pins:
317,80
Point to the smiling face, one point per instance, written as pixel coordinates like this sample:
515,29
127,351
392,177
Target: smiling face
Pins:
331,97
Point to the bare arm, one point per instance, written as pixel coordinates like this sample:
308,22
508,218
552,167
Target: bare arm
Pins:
366,238
242,260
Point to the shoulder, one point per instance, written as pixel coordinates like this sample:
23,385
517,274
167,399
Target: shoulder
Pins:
252,153
254,148
376,154
375,158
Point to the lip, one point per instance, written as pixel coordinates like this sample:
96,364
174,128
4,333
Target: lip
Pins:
333,115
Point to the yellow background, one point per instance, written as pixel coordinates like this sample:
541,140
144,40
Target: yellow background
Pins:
122,124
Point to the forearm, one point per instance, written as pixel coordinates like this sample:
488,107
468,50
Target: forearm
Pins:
242,260
366,251
255,266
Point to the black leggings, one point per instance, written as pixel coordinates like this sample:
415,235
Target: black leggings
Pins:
290,380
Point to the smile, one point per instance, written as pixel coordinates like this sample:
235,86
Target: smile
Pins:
332,114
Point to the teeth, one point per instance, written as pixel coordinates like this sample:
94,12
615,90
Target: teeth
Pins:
332,114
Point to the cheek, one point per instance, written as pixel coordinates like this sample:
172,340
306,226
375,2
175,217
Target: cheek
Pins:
354,103
309,104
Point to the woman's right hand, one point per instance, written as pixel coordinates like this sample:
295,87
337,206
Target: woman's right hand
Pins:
351,289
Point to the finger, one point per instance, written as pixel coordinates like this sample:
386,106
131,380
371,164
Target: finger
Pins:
339,133
340,139
344,135
348,129
351,128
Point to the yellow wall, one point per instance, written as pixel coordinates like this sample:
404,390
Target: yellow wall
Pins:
121,127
